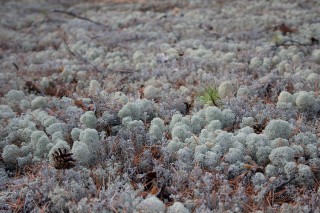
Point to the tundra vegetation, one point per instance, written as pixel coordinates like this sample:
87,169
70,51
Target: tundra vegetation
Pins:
159,106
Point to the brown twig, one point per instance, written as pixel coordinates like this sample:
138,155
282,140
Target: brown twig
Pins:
283,28
79,57
80,17
291,42
15,66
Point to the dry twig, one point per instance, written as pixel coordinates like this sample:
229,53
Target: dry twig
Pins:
80,17
79,57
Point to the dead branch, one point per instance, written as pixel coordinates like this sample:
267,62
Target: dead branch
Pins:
79,57
80,17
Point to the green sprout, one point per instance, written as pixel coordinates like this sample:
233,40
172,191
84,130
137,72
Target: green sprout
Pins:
278,39
210,96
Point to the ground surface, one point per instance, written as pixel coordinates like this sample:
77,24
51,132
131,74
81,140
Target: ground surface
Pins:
166,106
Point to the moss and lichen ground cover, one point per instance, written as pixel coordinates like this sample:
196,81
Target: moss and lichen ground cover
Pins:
159,106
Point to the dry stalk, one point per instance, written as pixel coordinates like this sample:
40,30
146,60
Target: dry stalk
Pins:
78,56
80,17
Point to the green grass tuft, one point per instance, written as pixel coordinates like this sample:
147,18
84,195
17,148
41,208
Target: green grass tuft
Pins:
210,96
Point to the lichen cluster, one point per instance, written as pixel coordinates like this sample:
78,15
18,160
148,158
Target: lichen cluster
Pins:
159,106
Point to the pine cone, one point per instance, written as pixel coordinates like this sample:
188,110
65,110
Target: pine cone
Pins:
63,160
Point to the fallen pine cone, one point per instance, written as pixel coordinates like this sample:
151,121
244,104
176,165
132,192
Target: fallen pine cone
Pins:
63,160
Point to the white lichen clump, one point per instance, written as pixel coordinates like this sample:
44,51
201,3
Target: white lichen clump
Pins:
151,205
177,207
316,56
89,119
225,89
38,103
81,153
150,92
243,92
141,109
305,101
6,112
278,129
90,138
285,100
10,154
181,131
94,88
255,63
56,127
14,97
157,129
280,156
